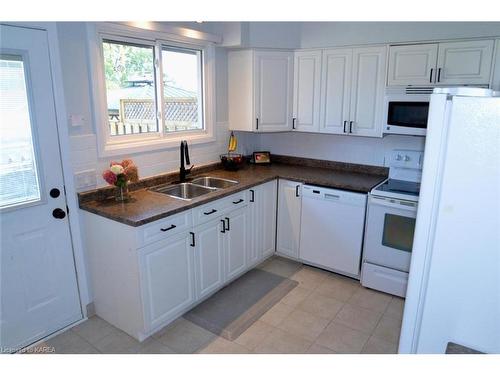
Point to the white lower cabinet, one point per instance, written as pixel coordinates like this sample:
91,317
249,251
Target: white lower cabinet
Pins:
167,279
236,242
209,257
262,221
289,208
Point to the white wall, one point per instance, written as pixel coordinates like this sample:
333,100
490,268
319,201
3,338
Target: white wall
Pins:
77,91
325,34
349,149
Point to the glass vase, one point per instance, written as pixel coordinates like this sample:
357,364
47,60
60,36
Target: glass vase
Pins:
122,193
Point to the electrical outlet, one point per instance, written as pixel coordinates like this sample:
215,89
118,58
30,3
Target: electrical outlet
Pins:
85,179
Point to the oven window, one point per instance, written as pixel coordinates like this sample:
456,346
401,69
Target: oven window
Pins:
408,114
398,232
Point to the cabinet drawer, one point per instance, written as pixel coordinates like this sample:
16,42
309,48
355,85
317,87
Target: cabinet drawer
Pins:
207,212
164,228
384,279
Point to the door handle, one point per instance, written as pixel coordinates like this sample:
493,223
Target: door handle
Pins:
192,239
345,123
350,126
223,226
169,228
293,123
238,201
54,193
439,74
297,190
59,213
228,228
257,123
210,212
252,199
430,78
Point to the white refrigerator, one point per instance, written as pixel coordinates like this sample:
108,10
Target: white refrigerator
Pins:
453,290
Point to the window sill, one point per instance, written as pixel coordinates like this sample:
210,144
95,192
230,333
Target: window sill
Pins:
117,148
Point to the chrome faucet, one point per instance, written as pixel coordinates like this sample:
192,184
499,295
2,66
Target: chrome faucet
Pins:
183,172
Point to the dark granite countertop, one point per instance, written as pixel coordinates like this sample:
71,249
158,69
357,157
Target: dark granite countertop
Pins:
147,206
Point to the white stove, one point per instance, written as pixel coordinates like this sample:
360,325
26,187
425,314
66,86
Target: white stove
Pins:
390,224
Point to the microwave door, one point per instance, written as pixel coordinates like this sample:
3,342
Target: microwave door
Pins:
406,115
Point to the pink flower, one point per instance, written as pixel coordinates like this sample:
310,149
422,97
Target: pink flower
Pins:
109,177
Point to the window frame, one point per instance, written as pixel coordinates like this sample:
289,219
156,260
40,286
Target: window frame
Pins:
108,145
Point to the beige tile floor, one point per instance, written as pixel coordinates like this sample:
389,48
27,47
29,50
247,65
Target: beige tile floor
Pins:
325,313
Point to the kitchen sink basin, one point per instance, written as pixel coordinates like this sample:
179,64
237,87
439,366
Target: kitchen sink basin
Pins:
214,182
185,191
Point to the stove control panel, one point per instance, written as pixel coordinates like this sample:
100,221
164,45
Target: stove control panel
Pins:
405,164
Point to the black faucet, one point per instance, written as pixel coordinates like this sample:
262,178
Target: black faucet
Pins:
183,172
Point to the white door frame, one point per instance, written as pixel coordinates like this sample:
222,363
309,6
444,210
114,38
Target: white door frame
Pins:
64,149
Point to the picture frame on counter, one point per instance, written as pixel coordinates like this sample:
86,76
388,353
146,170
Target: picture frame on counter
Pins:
262,157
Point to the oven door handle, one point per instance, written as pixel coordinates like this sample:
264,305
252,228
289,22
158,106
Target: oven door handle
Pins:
394,203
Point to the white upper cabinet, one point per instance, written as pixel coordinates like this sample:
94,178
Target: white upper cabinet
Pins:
273,90
306,91
453,63
412,65
336,90
367,91
464,62
260,90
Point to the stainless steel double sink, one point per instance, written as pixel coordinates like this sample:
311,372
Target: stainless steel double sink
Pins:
195,188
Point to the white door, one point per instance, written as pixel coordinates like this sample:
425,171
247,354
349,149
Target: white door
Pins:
39,293
336,90
412,65
306,90
167,278
465,62
268,202
289,206
367,91
236,242
273,90
209,255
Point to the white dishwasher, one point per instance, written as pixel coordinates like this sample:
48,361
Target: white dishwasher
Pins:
331,234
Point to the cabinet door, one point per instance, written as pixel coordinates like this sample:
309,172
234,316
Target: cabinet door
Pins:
254,217
167,279
412,65
306,90
367,91
268,202
465,62
336,90
289,207
236,242
209,256
273,90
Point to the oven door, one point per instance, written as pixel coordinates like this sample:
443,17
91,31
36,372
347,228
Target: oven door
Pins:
389,232
406,114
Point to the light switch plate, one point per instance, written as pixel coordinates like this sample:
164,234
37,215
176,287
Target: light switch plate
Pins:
76,120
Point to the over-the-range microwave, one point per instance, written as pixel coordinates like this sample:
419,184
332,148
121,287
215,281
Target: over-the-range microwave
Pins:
406,110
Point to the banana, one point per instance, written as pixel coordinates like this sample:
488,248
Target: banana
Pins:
233,143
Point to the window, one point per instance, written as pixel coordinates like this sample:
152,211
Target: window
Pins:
130,88
182,87
134,103
19,182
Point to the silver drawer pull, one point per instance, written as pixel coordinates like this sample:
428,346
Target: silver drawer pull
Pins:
169,228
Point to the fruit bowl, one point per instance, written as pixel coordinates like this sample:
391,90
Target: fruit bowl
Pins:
231,161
